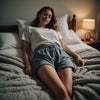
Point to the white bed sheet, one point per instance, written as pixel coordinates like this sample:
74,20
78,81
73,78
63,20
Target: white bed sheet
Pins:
80,46
19,52
12,51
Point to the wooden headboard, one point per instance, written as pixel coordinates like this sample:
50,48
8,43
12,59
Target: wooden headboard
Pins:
14,28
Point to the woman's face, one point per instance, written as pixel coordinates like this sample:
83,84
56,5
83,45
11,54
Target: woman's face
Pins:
44,18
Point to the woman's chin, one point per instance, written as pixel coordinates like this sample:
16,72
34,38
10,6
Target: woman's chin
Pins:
45,22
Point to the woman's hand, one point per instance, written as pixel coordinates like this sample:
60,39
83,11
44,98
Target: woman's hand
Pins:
29,70
80,61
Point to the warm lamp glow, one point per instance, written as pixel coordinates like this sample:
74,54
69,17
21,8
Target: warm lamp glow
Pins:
88,24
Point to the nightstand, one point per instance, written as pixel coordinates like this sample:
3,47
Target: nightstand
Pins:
94,44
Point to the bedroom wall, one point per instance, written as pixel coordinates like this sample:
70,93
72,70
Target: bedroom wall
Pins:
10,10
26,9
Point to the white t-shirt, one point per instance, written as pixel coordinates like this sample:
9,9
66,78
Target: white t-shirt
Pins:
37,36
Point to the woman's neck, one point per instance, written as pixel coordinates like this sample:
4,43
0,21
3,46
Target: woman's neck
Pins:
42,26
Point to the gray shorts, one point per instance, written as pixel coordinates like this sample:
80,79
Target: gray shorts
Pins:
50,54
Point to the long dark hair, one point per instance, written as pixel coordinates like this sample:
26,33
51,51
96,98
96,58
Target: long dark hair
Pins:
52,24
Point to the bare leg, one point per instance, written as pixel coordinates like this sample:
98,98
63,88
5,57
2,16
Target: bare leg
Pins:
66,77
50,77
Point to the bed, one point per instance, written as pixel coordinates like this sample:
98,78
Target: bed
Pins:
16,85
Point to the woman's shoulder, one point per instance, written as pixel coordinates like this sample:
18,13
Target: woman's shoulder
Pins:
34,28
38,29
30,28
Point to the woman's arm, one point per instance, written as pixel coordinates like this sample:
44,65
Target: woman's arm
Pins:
70,52
26,51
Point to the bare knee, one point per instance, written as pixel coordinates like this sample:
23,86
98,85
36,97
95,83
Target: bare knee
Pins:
62,94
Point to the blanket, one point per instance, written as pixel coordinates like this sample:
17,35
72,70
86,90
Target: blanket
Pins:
16,85
86,80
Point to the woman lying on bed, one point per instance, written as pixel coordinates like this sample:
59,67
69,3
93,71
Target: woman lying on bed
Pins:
49,58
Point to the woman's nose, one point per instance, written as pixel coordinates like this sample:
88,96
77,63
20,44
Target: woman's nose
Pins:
47,16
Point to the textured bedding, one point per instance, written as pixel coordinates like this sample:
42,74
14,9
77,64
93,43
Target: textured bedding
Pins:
86,81
16,85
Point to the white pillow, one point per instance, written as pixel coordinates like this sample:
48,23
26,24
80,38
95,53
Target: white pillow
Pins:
72,38
22,24
10,40
63,26
69,36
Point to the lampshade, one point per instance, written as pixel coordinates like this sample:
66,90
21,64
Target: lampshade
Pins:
88,24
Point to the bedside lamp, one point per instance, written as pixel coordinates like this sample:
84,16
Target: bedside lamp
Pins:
88,24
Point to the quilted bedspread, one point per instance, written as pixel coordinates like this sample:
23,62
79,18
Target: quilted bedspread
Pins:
16,85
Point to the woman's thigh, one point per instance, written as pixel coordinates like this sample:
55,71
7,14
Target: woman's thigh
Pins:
66,75
50,77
